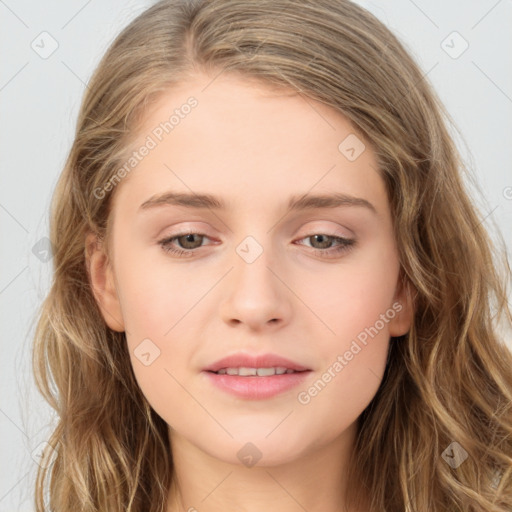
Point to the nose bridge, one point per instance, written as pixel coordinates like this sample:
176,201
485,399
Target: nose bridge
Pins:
255,295
254,258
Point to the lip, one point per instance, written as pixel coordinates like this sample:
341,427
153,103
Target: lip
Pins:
254,387
256,361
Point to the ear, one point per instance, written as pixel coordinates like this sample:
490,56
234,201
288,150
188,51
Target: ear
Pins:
101,278
403,305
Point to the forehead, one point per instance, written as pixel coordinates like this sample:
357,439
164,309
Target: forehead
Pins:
245,140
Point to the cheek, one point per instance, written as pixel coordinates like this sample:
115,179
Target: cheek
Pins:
156,298
157,311
357,305
158,344
354,296
353,358
154,305
337,397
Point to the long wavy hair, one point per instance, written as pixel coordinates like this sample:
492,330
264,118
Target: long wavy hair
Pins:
448,380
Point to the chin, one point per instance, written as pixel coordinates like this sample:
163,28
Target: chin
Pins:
259,449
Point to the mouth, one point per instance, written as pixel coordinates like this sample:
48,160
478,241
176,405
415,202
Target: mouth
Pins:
244,371
255,377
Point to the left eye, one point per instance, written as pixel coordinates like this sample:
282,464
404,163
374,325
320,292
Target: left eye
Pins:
323,239
191,241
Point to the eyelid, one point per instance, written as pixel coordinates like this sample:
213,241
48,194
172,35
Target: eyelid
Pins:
318,225
183,228
327,227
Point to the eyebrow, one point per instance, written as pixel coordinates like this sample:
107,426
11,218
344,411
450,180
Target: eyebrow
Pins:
295,203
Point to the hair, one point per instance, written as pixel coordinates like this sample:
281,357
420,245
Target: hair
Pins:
447,380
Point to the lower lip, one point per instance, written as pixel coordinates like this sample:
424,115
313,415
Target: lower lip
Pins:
257,388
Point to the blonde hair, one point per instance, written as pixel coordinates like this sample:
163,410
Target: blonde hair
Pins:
448,380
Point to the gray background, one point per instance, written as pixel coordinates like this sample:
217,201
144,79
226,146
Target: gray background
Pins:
39,100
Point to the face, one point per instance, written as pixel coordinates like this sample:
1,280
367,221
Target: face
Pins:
258,270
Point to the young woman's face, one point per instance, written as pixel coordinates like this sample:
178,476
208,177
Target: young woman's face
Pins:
311,287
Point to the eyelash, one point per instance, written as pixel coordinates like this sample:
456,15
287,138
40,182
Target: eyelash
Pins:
346,245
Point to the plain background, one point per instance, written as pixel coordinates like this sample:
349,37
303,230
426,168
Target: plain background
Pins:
39,101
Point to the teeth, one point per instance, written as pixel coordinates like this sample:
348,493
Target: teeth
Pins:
264,372
260,372
243,372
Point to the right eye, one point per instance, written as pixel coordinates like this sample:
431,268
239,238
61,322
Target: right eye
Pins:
185,239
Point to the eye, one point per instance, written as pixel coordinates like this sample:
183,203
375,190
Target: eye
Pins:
187,240
322,244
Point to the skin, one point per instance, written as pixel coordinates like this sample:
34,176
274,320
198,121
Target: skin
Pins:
254,147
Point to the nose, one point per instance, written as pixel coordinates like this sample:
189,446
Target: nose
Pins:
257,294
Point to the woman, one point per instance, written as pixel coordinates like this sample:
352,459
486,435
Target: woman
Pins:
271,286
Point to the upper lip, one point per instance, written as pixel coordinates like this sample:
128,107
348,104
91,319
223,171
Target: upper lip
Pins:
254,361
